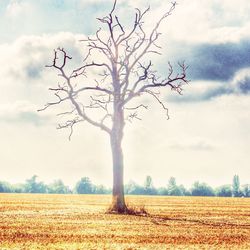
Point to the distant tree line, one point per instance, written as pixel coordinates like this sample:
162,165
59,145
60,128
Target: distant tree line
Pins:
197,189
85,186
32,185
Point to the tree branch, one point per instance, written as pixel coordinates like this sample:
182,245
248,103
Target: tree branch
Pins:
122,74
70,124
154,95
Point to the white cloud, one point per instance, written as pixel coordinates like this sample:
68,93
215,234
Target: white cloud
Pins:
83,3
214,21
241,81
123,3
197,146
23,74
214,133
212,136
21,112
208,21
17,8
16,107
198,91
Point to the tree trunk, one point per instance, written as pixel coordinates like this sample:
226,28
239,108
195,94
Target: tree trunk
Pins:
118,201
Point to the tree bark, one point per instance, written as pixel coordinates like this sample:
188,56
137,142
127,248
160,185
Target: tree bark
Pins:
118,201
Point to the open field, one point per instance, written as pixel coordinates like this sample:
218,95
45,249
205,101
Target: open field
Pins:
36,221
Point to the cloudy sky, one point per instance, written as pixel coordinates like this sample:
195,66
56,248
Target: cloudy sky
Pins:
207,137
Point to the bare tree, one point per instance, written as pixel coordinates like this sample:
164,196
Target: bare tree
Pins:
115,72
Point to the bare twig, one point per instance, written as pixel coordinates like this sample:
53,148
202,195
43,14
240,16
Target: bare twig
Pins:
122,74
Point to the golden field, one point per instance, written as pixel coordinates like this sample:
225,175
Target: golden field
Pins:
39,221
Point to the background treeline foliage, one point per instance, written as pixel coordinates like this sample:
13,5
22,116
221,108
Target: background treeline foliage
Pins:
85,186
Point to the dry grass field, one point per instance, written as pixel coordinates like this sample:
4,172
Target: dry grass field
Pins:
36,221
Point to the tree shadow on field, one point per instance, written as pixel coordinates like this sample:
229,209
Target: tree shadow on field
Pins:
141,211
160,220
